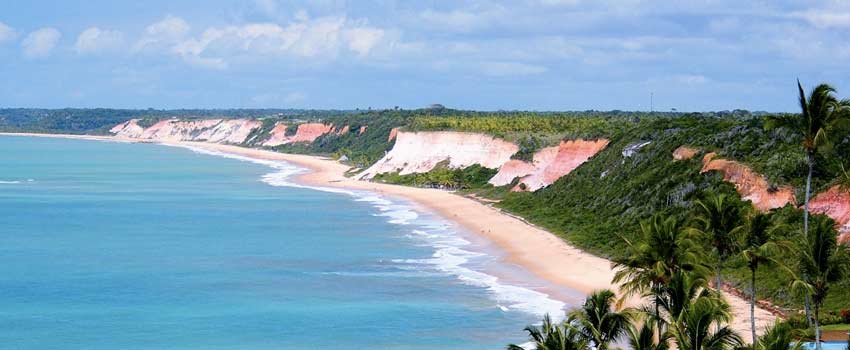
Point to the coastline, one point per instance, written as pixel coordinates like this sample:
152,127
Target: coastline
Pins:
540,252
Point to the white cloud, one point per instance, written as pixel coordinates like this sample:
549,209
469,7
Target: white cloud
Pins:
164,33
6,33
504,69
95,40
40,43
825,18
321,38
362,40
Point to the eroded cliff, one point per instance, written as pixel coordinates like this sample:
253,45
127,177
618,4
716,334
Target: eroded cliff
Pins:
548,164
835,203
208,130
420,152
307,132
751,185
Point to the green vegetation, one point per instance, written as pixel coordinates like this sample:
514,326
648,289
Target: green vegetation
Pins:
442,176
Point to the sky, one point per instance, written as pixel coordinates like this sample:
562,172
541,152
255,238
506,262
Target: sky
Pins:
483,55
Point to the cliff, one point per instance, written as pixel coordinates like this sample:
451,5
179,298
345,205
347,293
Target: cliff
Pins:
208,130
548,164
751,185
307,132
420,152
835,203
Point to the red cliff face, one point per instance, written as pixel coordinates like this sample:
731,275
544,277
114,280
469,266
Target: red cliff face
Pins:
362,130
307,132
393,134
344,130
548,165
835,203
751,185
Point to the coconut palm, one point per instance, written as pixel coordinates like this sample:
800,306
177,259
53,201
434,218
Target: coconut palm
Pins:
644,337
822,261
598,321
552,336
692,330
822,113
663,250
719,221
683,289
759,248
779,337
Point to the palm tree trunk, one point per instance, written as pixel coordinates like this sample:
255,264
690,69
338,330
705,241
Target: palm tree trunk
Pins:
753,305
817,327
810,156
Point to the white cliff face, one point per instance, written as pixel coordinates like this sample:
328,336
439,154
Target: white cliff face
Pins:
420,152
130,129
207,130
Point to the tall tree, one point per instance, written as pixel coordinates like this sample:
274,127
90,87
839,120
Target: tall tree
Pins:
663,249
822,114
719,222
822,261
758,248
553,336
598,321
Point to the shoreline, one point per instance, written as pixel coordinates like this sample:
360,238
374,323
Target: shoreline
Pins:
538,251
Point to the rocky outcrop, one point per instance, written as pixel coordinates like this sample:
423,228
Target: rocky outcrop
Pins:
420,152
684,153
750,185
548,164
130,128
307,132
393,134
344,130
207,130
834,203
362,130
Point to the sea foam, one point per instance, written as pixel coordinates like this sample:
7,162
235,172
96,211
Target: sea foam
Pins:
452,254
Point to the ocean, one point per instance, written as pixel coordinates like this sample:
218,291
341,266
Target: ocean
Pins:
109,245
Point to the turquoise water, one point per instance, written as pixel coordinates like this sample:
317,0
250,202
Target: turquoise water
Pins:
138,246
829,345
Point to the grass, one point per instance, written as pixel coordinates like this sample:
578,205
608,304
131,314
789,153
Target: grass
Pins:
836,327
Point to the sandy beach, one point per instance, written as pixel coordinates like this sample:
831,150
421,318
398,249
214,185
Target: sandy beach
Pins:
538,251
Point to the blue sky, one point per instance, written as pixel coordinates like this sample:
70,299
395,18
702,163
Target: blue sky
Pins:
488,55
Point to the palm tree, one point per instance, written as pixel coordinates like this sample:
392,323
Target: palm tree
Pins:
822,113
682,291
663,250
597,320
759,248
822,262
644,338
720,221
551,336
779,337
692,329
